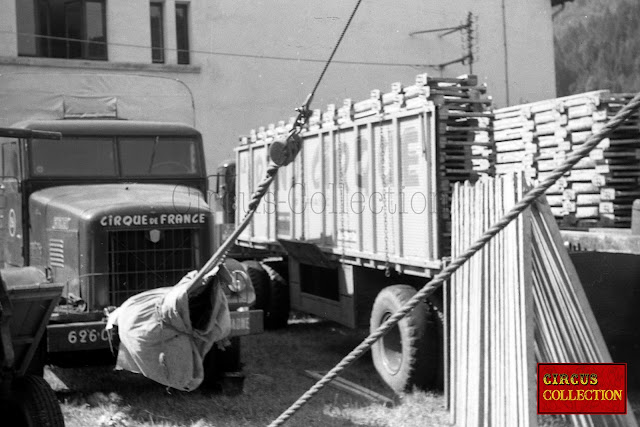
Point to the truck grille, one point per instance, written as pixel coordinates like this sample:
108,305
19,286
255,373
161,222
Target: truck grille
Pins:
140,260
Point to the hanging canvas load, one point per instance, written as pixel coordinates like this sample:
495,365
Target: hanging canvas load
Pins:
517,302
165,333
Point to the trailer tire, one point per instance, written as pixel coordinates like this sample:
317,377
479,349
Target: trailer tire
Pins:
409,356
260,282
276,315
35,403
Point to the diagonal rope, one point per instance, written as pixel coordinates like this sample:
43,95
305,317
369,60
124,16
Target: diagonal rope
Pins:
446,273
303,115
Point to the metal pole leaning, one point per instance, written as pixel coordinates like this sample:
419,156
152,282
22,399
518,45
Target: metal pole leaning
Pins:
448,271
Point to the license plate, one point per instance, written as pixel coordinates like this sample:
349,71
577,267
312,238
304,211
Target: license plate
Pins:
246,323
78,336
240,323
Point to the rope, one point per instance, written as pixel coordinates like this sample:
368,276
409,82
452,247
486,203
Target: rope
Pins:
303,115
446,273
335,48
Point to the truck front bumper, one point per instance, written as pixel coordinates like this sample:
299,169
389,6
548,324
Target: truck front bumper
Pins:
92,335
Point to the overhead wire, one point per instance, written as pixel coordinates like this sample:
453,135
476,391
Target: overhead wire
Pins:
230,54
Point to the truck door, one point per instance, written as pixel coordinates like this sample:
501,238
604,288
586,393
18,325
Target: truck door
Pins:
11,201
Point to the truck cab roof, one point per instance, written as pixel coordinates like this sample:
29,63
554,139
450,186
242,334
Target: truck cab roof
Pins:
109,127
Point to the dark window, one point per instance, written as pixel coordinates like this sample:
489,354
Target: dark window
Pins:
62,28
157,156
157,33
73,156
182,33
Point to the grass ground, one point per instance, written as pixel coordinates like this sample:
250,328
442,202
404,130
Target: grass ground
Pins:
274,366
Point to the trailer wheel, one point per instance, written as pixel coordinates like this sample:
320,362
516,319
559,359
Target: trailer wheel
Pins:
409,355
277,311
34,404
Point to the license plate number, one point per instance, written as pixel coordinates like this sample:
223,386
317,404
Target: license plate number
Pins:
78,336
84,336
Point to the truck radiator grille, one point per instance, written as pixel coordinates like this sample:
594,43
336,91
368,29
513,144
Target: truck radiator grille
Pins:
140,260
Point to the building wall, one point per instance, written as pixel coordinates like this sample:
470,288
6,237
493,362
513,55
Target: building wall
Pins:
236,90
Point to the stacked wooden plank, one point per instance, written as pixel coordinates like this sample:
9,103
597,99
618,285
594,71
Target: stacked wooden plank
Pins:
491,366
537,137
464,132
566,330
517,301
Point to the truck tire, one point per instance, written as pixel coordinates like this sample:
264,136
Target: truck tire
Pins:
260,282
409,355
276,315
35,403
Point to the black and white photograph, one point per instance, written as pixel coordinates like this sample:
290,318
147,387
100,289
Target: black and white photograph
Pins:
219,213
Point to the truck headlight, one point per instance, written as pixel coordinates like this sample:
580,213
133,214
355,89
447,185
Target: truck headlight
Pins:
239,289
240,281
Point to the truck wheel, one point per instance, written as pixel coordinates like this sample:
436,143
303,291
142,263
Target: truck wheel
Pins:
277,312
260,282
409,355
35,403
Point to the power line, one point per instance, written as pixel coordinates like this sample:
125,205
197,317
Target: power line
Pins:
230,54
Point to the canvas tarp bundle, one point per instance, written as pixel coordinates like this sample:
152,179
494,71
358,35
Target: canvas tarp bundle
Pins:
157,338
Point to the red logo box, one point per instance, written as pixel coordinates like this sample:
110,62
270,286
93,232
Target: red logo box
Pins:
582,388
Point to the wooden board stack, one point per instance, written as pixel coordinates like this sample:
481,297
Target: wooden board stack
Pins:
516,302
463,124
566,330
537,137
490,322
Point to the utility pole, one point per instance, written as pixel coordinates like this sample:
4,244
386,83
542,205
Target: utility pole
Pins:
467,30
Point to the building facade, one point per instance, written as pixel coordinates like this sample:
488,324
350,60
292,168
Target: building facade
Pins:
249,64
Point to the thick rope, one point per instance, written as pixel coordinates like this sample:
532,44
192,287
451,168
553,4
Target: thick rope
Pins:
303,115
446,273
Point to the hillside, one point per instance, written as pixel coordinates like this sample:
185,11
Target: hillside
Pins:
596,46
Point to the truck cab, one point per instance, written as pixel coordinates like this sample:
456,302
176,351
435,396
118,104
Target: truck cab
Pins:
114,208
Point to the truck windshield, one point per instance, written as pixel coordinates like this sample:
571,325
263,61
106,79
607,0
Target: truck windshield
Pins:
108,156
73,157
157,156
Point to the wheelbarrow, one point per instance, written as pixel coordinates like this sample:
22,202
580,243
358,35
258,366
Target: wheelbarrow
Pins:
26,302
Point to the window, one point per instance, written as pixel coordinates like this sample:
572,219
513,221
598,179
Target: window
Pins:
157,33
62,28
167,156
73,156
182,32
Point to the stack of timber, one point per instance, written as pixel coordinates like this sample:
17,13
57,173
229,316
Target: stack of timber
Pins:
536,137
386,163
465,143
517,302
566,330
490,316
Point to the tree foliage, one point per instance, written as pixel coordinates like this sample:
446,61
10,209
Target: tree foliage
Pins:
598,47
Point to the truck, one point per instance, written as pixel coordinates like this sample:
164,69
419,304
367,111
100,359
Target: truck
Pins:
360,220
117,206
